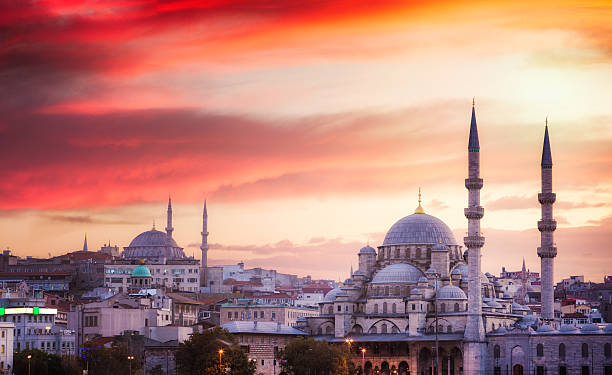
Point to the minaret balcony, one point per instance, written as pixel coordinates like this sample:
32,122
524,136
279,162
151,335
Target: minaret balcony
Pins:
547,198
473,183
547,252
547,225
476,212
473,241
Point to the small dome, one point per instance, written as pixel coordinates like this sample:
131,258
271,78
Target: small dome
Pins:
418,291
358,272
568,328
333,294
494,304
589,328
397,273
439,247
501,329
419,229
422,279
367,250
545,328
141,271
430,271
451,292
462,270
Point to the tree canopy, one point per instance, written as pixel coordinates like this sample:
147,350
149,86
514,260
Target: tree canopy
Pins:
42,363
200,355
307,356
109,361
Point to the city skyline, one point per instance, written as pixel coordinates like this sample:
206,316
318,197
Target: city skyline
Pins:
309,128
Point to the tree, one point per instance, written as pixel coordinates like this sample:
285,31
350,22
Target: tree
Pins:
306,356
41,363
109,361
200,355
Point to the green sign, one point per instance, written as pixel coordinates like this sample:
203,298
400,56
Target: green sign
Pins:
1,311
36,310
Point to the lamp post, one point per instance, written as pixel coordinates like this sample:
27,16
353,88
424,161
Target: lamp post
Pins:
220,364
363,350
130,359
29,358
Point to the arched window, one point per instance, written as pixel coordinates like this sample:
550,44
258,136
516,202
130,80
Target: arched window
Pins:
330,310
496,352
442,307
456,307
384,307
540,350
397,290
376,308
383,328
395,330
328,330
386,291
585,350
373,330
418,253
607,350
393,308
449,329
562,351
397,252
320,331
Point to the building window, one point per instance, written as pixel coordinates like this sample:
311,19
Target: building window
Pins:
229,314
383,328
413,306
456,307
443,307
393,309
540,370
339,308
384,307
585,351
562,351
496,352
497,370
540,350
607,348
607,370
585,370
562,370
262,362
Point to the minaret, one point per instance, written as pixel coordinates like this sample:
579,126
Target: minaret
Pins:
169,228
204,247
523,283
474,335
547,250
85,243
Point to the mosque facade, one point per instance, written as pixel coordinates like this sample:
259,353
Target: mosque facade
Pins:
419,304
166,261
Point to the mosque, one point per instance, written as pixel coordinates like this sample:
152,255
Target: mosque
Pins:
419,304
165,260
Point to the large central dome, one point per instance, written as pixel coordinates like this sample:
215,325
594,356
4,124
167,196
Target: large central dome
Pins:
154,246
419,229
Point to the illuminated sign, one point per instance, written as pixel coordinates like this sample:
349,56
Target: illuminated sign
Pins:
26,310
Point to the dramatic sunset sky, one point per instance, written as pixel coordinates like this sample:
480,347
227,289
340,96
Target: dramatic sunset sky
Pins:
308,125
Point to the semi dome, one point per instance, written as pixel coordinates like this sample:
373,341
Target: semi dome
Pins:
333,294
451,292
398,273
141,271
153,246
419,229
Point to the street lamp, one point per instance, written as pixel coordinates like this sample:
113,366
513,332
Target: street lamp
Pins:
130,359
220,365
363,350
29,358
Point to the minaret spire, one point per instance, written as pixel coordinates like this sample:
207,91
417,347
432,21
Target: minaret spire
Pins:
204,247
474,335
169,228
547,250
85,243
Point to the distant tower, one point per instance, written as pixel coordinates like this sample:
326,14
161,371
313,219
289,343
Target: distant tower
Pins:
85,243
474,336
547,250
523,283
204,247
169,228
